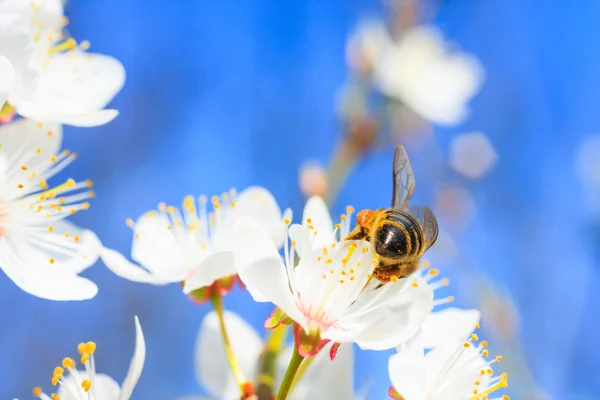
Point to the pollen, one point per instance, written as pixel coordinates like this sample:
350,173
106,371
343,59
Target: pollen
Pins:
54,396
394,278
50,229
20,186
467,344
498,358
52,261
426,264
433,272
349,209
477,326
415,284
484,344
308,221
474,337
445,281
450,299
286,221
485,353
37,391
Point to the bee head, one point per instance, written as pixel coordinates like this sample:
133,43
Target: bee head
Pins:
364,218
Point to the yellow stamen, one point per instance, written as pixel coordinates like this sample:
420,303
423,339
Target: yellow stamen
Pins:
37,391
86,385
68,362
68,44
500,385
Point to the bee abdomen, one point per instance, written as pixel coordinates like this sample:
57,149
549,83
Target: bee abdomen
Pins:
398,235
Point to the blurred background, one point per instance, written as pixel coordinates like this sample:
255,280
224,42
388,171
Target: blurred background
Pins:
233,94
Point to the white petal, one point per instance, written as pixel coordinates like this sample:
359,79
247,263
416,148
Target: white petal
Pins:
7,77
317,211
407,373
399,317
137,363
258,203
103,386
118,264
449,325
212,367
16,44
158,249
34,274
457,382
216,266
21,139
72,86
83,120
260,267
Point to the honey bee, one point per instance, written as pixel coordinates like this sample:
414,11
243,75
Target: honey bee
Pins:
400,234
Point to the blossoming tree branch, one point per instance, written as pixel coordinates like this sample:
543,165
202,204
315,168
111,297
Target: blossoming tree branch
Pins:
359,280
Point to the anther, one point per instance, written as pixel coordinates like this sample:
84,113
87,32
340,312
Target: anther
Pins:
68,362
37,391
52,261
498,358
415,284
129,222
86,385
349,209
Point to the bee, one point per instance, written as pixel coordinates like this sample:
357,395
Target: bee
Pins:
400,234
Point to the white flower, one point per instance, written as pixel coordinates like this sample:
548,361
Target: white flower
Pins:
453,370
324,379
190,245
324,292
420,71
39,250
70,86
74,384
17,75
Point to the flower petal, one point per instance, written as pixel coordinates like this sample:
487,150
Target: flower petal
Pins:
260,267
7,77
449,325
118,264
458,380
407,373
104,387
157,248
258,203
73,86
16,44
137,363
398,317
216,266
317,211
33,273
21,140
212,367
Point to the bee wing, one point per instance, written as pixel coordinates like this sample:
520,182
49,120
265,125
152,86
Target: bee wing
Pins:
404,180
428,223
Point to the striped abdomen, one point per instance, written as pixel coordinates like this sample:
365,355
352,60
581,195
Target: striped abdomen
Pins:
398,235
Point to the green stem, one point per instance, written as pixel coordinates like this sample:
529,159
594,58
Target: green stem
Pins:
217,302
292,369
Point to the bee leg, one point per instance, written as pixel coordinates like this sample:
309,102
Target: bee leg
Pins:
357,234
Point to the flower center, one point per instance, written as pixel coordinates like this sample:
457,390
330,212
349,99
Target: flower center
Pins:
462,363
77,385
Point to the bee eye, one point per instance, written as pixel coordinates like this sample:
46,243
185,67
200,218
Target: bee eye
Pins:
390,241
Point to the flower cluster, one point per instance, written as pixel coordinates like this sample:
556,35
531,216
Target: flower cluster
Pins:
323,279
